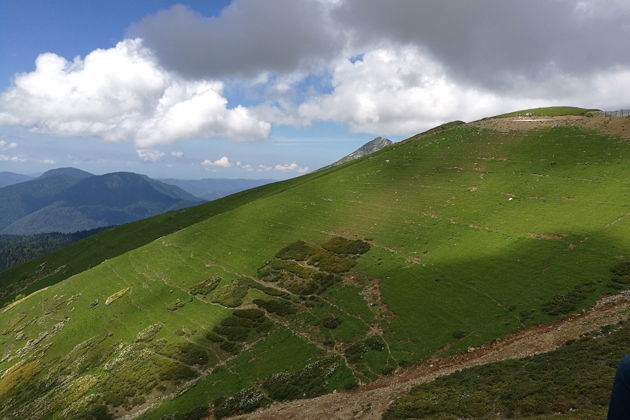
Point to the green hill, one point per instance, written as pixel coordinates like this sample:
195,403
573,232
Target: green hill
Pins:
312,285
68,200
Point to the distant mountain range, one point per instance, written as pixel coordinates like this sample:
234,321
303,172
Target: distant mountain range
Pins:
10,178
68,200
213,188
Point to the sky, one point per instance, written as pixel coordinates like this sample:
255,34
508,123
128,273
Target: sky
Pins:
278,88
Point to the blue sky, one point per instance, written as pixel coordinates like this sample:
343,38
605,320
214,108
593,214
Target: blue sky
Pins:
274,89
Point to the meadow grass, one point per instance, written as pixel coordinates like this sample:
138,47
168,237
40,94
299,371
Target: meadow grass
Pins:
471,234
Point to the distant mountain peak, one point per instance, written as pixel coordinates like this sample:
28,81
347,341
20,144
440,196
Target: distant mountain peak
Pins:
368,148
73,172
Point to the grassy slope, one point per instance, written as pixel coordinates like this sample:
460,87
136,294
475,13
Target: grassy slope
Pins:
73,259
451,250
573,382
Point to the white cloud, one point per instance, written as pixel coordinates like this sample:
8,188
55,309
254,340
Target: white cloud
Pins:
48,161
150,155
5,158
223,162
290,167
177,154
262,167
398,90
5,145
122,93
246,166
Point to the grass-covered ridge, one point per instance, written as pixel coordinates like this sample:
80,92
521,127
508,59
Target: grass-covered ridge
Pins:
552,111
450,241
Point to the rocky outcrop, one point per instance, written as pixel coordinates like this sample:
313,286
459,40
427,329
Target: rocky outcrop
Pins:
368,148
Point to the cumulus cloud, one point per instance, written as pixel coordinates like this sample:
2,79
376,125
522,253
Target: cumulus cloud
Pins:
5,158
246,166
223,162
400,90
290,167
150,155
48,161
490,42
414,65
5,145
122,93
177,154
249,38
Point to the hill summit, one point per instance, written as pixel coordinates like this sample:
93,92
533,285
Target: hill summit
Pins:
368,148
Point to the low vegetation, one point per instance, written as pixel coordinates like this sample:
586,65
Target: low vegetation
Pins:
574,381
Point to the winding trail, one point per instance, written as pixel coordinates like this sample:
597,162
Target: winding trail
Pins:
371,400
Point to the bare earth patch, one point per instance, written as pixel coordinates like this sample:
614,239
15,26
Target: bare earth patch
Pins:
619,127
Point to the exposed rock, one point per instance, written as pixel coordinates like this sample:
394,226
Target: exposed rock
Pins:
368,148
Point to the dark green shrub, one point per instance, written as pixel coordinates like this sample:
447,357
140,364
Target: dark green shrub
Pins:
249,313
350,384
621,276
187,353
278,307
243,401
205,287
293,267
331,322
355,353
331,262
374,343
459,334
306,383
565,304
230,347
215,338
340,245
264,326
299,251
177,372
231,295
232,333
235,321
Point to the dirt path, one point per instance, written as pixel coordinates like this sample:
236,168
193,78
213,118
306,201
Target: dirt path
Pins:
371,400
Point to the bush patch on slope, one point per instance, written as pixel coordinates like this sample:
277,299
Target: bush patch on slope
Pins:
566,303
304,269
620,276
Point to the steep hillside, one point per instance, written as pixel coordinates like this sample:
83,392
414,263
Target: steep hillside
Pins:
68,200
440,243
